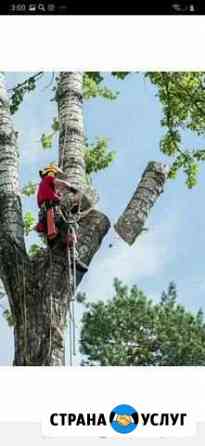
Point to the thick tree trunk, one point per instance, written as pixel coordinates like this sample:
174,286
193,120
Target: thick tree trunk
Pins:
40,322
44,284
12,246
131,222
72,135
39,289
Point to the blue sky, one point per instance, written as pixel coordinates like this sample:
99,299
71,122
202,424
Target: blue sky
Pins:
173,247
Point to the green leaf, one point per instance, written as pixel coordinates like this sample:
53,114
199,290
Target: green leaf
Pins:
98,156
55,125
34,249
29,222
29,189
92,87
47,141
182,98
9,318
121,75
21,90
131,330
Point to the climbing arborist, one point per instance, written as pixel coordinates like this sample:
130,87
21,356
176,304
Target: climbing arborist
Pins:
49,194
51,221
49,184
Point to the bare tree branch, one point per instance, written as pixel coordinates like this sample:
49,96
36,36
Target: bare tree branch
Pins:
22,84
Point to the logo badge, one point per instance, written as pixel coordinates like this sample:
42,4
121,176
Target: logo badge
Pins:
124,419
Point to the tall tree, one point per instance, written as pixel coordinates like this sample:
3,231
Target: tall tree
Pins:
37,285
132,330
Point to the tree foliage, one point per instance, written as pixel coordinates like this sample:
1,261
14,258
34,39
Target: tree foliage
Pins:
93,87
29,189
9,318
132,330
29,222
98,156
20,90
182,96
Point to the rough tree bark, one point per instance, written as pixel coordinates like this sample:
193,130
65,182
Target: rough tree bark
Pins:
72,135
38,287
131,222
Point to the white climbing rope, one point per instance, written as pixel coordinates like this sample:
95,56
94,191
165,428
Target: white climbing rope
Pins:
72,292
74,287
71,258
69,309
70,342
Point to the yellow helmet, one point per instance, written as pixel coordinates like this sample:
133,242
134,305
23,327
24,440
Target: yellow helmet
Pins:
51,168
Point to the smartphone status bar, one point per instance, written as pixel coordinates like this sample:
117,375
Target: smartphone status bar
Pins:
130,7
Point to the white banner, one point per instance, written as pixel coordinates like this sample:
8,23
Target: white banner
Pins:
105,401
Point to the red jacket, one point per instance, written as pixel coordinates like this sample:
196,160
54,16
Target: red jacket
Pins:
46,190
